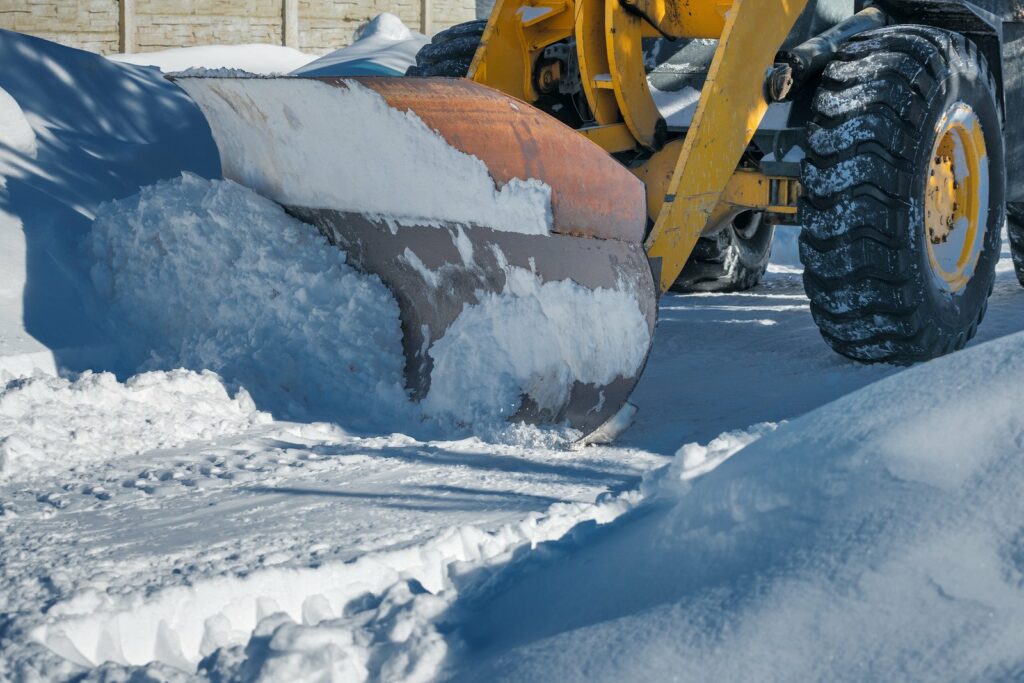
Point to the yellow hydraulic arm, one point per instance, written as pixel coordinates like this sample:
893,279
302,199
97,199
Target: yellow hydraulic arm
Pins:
693,180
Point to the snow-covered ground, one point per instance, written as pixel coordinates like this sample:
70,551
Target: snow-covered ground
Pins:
776,513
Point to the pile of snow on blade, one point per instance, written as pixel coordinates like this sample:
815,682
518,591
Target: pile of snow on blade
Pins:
316,145
877,538
49,423
536,338
209,275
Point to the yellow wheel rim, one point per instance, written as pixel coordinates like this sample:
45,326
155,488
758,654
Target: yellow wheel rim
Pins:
956,198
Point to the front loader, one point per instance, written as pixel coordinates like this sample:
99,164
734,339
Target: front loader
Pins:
877,127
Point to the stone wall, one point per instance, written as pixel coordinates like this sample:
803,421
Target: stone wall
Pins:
161,24
88,24
323,25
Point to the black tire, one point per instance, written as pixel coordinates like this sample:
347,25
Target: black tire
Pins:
449,52
1015,231
730,261
874,294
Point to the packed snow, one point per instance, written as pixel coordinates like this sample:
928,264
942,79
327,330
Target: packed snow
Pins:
776,513
415,175
256,58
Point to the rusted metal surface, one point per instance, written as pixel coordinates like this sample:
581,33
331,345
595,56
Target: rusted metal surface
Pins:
591,193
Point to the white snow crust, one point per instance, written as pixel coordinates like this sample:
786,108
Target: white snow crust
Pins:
390,164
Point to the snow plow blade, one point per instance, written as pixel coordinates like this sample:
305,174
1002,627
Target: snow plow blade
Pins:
380,166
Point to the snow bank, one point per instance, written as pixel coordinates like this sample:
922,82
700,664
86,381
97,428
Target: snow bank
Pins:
383,47
877,538
76,130
311,144
255,58
209,275
49,424
536,339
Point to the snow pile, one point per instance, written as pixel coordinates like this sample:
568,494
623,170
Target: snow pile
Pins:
255,58
76,130
49,424
301,147
15,130
383,47
534,338
210,275
876,538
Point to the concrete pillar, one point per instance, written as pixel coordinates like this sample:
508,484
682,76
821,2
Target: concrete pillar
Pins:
126,26
426,16
290,27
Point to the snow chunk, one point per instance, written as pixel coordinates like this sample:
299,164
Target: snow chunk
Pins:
210,275
316,145
534,338
254,58
694,460
50,423
676,107
15,130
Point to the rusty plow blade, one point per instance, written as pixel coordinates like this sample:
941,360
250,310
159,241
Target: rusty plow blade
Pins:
389,170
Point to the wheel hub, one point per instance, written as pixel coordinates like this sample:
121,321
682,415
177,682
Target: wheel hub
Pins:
956,198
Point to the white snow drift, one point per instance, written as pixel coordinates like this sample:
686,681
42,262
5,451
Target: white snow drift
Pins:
878,537
316,145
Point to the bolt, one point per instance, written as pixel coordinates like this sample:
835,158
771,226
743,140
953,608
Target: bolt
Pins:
779,82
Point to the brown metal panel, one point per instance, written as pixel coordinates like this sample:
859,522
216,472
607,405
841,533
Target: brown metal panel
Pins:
428,307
